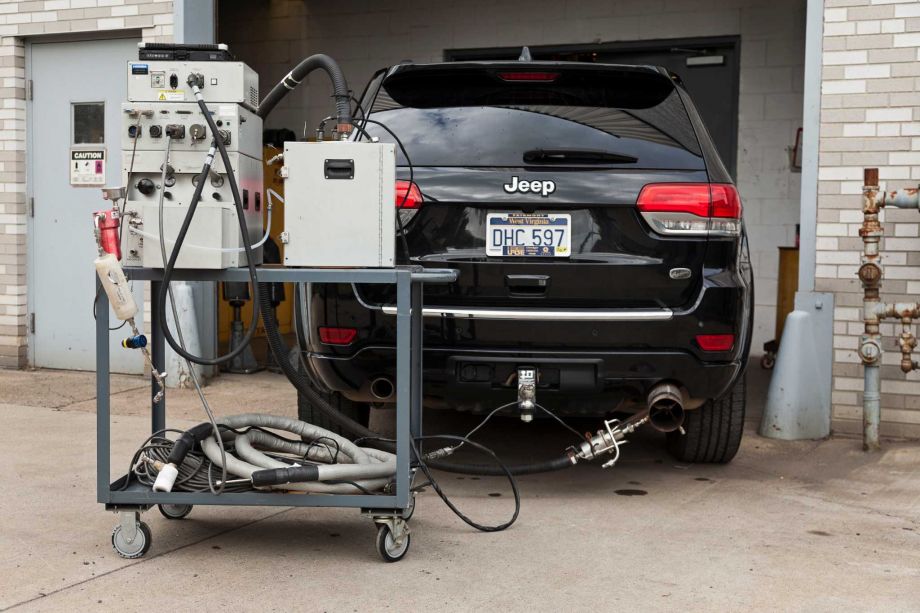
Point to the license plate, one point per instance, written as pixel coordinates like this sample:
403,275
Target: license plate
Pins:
525,234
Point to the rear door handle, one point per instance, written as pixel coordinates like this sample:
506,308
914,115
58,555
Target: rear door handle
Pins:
526,280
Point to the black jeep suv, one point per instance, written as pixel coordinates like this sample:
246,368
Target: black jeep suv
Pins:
598,236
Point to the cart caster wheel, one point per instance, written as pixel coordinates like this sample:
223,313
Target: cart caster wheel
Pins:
410,509
768,361
387,547
174,511
135,549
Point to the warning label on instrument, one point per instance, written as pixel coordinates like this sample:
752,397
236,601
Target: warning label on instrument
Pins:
87,167
171,95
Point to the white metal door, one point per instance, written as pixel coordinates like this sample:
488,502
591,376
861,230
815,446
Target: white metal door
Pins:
78,88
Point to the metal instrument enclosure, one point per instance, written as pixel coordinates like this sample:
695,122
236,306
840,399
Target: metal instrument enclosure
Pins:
340,204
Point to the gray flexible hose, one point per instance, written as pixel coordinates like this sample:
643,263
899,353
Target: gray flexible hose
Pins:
367,469
307,432
314,451
367,476
244,469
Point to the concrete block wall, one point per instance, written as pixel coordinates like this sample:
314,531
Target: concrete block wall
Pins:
870,117
365,36
36,20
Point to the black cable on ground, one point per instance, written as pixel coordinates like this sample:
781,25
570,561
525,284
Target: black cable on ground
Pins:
504,471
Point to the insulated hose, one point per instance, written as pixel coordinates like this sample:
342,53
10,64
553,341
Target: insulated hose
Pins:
365,469
323,461
294,78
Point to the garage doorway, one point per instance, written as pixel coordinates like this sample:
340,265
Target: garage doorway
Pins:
75,107
708,67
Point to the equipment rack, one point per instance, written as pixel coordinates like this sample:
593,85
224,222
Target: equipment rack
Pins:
389,510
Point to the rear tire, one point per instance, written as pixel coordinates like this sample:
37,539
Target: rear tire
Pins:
713,431
357,411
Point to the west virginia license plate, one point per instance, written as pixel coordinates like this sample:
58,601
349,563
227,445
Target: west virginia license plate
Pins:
526,234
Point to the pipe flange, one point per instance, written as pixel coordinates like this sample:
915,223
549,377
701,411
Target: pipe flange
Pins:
870,274
870,351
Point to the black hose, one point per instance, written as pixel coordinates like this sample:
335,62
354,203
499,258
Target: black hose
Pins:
180,239
298,379
293,79
501,469
188,441
546,466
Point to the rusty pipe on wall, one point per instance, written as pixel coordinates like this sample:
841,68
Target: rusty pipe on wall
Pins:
870,276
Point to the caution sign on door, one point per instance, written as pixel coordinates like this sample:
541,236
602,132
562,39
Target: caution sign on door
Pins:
87,167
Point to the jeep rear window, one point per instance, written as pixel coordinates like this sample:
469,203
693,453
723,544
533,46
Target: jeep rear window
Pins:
472,117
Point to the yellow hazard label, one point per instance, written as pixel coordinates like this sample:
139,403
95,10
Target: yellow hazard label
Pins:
171,95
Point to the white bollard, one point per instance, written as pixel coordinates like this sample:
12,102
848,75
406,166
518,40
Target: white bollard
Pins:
798,402
177,368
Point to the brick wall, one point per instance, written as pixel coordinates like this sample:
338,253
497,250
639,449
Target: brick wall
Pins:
870,117
365,36
19,20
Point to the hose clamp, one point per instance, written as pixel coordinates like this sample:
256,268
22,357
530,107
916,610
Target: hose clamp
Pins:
294,81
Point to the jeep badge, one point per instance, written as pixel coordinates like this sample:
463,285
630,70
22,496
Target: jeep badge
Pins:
544,188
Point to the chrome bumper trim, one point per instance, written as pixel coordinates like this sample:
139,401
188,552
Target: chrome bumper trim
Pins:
545,314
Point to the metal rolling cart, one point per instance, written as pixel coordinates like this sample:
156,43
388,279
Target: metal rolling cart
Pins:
389,510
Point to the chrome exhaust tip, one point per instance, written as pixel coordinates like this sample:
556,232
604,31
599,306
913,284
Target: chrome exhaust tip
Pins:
382,388
666,407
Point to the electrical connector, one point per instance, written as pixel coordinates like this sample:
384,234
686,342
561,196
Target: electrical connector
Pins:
437,454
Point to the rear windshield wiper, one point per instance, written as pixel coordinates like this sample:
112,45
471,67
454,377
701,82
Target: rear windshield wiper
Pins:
576,156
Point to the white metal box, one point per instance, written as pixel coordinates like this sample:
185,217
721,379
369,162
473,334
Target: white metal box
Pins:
339,204
165,81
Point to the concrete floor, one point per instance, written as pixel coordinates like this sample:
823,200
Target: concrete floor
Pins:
792,526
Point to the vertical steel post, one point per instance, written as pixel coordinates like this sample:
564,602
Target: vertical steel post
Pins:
103,434
404,383
158,357
416,362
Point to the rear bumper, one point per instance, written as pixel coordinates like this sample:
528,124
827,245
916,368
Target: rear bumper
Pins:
571,382
590,360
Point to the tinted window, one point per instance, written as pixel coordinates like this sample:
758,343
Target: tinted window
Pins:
476,119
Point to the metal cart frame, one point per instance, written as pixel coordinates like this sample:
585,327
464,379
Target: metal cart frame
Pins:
387,509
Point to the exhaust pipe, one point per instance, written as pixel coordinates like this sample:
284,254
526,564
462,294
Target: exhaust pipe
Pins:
666,407
665,413
382,388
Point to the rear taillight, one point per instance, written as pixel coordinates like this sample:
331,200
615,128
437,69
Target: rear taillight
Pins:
726,211
337,336
697,209
408,195
715,342
532,77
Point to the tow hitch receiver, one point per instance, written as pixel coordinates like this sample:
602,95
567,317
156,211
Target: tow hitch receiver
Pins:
527,392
